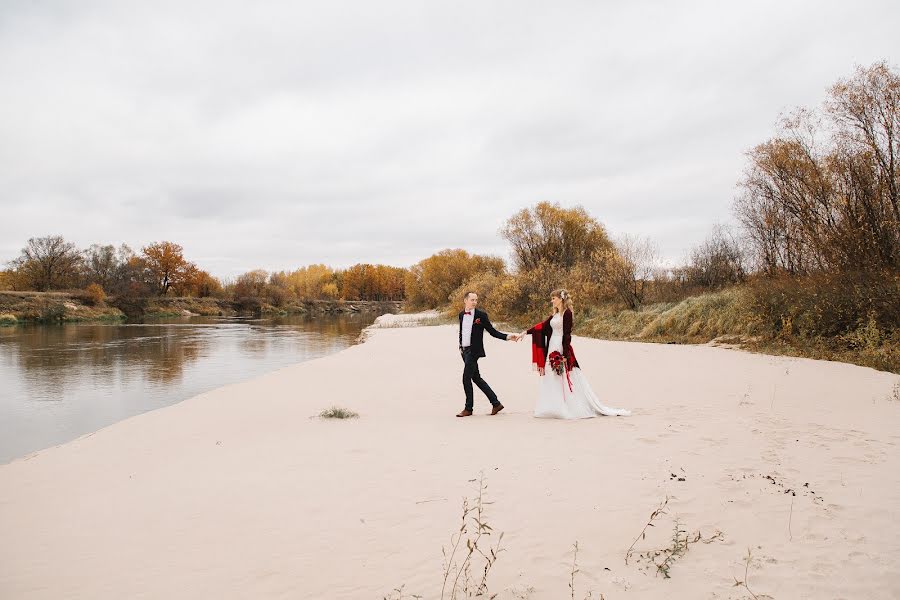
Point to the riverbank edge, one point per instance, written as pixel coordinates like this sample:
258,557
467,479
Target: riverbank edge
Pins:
61,307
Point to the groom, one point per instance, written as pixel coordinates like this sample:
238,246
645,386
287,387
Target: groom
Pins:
472,323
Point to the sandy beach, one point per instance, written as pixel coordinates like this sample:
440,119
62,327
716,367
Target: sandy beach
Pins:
241,493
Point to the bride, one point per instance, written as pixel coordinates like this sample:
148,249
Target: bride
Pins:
567,395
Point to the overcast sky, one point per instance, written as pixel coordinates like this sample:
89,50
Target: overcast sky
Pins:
277,134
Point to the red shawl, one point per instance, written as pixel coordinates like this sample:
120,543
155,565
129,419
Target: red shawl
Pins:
540,340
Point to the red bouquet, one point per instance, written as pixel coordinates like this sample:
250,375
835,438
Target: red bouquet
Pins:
557,362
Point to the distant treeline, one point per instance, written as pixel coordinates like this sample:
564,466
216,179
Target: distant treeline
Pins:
160,269
816,252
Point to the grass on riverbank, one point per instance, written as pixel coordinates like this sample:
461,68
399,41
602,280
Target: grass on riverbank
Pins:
725,318
695,319
19,307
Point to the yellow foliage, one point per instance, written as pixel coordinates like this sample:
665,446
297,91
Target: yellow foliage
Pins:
548,233
95,294
435,281
308,283
167,267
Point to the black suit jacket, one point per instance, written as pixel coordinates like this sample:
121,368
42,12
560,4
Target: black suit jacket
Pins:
482,323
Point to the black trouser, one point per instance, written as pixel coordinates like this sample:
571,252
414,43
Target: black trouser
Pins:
470,374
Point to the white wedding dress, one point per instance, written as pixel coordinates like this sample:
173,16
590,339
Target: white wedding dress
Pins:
555,401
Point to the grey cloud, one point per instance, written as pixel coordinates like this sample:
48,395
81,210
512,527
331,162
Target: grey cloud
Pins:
282,133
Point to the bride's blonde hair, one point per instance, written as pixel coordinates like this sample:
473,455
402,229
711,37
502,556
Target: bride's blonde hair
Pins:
566,297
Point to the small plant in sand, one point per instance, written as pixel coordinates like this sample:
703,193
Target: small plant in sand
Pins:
336,412
397,594
746,582
681,540
575,570
479,556
669,555
664,558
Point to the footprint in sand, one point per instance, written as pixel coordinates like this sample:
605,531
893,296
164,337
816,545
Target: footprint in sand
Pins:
849,459
715,441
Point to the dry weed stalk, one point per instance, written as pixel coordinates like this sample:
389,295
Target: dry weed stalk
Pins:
660,510
399,594
746,583
575,570
462,585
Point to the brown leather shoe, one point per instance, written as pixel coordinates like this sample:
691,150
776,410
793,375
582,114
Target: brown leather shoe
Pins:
497,408
465,413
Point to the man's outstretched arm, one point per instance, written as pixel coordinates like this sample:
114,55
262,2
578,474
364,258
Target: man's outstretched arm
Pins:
489,327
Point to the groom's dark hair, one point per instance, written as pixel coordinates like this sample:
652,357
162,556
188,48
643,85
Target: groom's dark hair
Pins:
466,295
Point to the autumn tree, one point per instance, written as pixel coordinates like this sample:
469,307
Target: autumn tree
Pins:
205,285
13,279
372,282
822,195
6,280
277,291
166,266
865,164
101,265
330,291
432,281
355,282
548,233
717,262
628,268
132,275
49,263
383,282
309,282
867,106
251,284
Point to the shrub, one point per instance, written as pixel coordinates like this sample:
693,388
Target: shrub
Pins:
95,295
336,412
52,312
826,304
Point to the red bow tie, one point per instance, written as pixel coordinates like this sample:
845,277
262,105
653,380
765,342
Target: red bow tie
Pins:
468,312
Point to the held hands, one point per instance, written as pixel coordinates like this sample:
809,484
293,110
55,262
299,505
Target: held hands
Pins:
515,337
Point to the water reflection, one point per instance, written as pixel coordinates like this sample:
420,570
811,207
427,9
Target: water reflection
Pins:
59,382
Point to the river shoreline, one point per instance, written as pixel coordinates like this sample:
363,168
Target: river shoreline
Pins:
62,307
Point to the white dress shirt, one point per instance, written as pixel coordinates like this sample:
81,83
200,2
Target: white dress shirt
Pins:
467,322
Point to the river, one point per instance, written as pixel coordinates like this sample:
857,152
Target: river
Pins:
58,382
